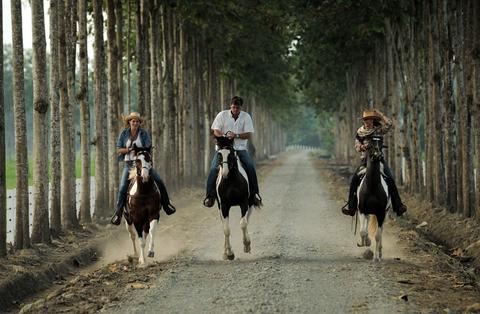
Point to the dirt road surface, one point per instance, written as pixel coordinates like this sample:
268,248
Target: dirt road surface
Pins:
303,260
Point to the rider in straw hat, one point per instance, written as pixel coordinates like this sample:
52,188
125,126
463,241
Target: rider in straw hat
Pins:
134,134
374,123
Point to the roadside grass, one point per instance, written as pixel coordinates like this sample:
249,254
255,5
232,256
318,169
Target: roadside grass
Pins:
11,175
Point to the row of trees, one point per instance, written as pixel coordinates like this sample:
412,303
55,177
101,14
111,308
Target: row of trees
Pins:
417,61
189,58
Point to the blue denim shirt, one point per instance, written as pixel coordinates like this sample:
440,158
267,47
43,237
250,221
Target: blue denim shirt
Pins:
123,138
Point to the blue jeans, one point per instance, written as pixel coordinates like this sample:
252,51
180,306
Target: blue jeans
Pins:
247,163
122,190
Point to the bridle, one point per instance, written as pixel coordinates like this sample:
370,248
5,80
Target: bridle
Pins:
375,148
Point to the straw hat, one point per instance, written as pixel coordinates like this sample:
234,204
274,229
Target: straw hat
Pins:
133,115
371,114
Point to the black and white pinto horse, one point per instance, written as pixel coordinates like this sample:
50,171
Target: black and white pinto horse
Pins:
232,190
373,198
143,202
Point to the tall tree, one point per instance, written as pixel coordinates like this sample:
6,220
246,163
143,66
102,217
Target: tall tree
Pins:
55,212
40,229
100,192
169,96
85,215
139,54
3,192
22,238
69,219
113,101
71,48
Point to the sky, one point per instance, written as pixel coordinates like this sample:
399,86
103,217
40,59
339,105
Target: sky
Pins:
26,23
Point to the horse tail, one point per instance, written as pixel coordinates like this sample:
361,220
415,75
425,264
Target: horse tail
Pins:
372,225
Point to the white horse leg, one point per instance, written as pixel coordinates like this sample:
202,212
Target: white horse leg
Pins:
153,226
141,259
227,253
378,244
133,236
365,241
246,237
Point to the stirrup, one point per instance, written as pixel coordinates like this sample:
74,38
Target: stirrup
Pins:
257,200
401,210
209,201
348,211
169,209
116,219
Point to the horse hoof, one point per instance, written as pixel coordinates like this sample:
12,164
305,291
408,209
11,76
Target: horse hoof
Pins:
151,253
368,242
360,245
368,254
228,257
376,259
246,248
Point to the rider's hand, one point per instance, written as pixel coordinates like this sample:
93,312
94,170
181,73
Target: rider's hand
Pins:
230,135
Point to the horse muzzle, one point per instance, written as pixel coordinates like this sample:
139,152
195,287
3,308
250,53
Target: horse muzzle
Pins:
224,170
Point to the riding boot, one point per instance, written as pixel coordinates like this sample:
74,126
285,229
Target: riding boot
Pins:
209,200
167,207
398,207
351,207
117,216
255,199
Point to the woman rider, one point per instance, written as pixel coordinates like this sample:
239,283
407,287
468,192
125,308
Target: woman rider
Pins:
134,134
374,124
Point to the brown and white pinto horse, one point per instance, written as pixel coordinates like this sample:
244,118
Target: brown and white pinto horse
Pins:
373,198
232,190
143,203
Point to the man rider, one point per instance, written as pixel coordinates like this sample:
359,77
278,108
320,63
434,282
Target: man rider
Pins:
237,125
374,124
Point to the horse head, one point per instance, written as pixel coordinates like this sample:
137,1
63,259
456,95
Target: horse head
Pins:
374,151
226,155
143,162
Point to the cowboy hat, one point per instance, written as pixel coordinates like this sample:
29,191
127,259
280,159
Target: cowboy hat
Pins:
371,114
133,115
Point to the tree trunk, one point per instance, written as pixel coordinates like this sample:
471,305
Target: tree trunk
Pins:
71,41
100,193
450,114
129,58
140,61
113,100
476,99
55,212
22,238
67,199
156,101
40,229
168,52
85,215
119,40
3,186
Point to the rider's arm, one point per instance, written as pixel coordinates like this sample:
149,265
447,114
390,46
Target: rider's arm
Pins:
218,133
387,123
245,136
121,142
360,145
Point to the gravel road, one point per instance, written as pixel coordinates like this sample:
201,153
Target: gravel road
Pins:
303,259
